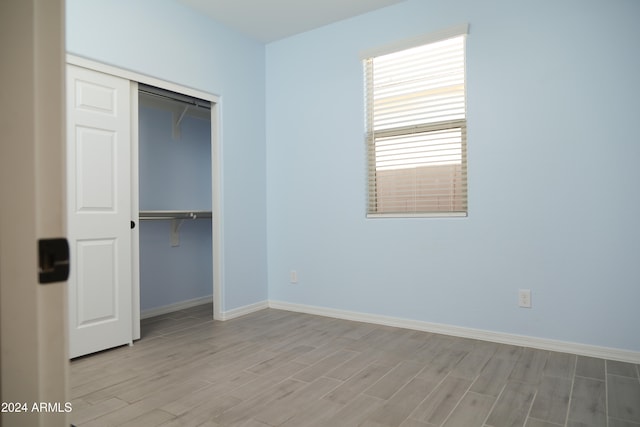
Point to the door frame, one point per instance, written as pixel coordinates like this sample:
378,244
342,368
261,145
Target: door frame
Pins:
34,361
217,237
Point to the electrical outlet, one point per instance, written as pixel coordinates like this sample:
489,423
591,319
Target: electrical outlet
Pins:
524,298
293,276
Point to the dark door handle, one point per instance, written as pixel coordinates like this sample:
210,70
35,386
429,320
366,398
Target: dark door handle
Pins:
53,260
133,225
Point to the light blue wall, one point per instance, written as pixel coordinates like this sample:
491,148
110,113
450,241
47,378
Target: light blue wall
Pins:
161,38
174,174
553,91
173,274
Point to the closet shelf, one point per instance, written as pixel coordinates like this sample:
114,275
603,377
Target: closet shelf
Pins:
163,215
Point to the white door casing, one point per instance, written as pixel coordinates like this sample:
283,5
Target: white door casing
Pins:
99,210
33,327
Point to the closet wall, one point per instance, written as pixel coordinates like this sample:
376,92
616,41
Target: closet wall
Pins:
174,174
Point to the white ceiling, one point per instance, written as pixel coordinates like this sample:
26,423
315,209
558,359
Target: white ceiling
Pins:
269,20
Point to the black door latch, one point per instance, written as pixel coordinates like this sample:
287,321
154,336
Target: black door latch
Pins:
53,260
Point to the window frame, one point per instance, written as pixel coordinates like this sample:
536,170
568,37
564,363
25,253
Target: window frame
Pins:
371,136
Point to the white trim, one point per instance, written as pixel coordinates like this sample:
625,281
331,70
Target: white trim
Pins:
152,312
432,37
140,78
458,331
419,215
216,162
217,219
244,310
135,209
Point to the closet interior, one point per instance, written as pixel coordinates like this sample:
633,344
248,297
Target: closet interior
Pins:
174,161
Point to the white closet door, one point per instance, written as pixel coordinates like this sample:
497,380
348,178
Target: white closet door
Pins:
99,210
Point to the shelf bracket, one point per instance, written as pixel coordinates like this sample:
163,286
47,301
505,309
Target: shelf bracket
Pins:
175,231
176,122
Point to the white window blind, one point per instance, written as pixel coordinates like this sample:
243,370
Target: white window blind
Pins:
416,130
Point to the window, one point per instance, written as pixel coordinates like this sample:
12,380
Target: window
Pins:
416,128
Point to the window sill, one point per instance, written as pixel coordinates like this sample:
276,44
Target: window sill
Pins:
420,215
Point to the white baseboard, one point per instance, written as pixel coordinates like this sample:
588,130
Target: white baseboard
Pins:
458,331
241,311
152,312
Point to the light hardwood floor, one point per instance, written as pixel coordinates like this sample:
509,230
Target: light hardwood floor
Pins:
277,368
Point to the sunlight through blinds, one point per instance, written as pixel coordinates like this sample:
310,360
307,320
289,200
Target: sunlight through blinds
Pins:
416,130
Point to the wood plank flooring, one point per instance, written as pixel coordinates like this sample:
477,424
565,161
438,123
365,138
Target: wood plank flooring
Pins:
276,368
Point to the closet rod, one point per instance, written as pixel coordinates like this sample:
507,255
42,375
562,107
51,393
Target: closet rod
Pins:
173,96
191,103
157,215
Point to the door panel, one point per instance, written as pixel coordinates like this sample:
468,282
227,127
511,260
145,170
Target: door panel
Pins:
96,286
95,169
96,98
99,201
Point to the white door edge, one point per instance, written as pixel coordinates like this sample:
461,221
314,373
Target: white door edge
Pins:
135,209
